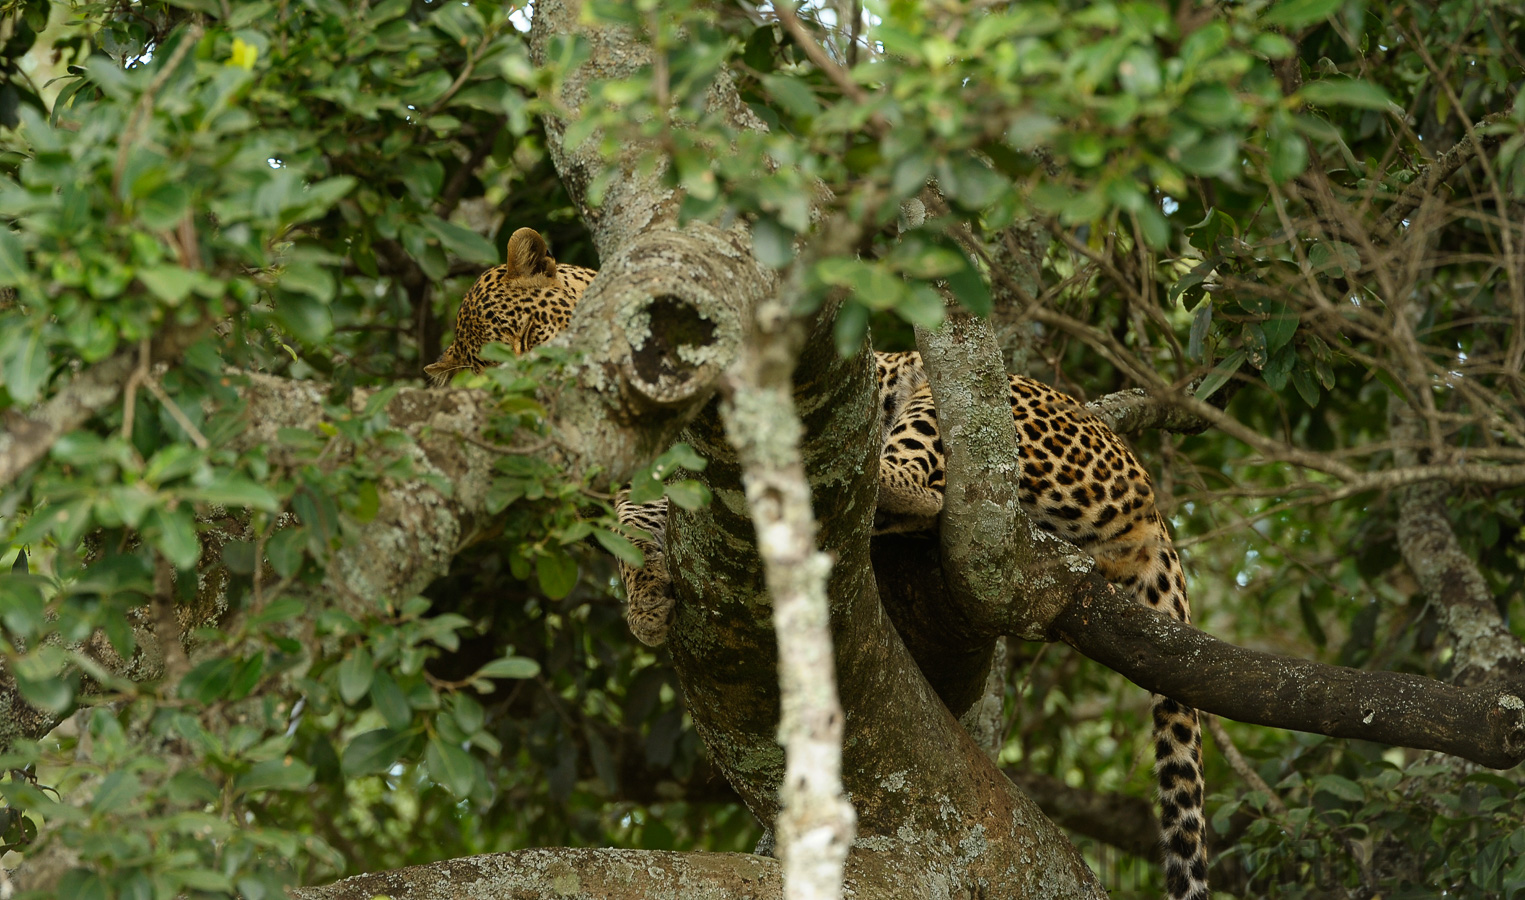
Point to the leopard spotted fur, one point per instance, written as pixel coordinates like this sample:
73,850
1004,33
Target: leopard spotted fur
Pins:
1078,481
522,303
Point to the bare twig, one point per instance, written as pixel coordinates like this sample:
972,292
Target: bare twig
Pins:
177,414
130,392
1241,766
839,76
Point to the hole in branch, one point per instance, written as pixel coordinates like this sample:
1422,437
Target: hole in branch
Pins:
674,324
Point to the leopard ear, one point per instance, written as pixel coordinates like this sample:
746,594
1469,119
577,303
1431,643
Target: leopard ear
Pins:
528,255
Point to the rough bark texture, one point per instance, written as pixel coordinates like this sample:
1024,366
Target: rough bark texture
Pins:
570,874
989,547
1485,647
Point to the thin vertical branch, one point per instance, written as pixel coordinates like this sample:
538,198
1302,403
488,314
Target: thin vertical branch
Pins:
816,824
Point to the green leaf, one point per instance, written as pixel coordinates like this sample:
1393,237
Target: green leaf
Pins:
174,533
208,682
229,489
117,790
463,242
355,675
1297,13
509,667
323,194
13,265
792,94
26,370
848,330
246,676
1201,320
169,283
451,766
79,884
772,243
1289,156
306,318
683,456
282,610
285,550
620,548
1346,92
1392,383
283,774
970,289
1302,379
22,605
1339,786
390,701
1190,284
374,752
367,502
1279,369
689,494
1253,338
1220,374
1280,327
53,694
303,276
1215,155
557,573
1335,258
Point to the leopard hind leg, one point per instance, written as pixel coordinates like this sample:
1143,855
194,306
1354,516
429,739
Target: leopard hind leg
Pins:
649,598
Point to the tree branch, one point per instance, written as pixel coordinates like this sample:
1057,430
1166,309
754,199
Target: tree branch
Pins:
1485,725
28,438
1133,411
1485,647
816,825
569,874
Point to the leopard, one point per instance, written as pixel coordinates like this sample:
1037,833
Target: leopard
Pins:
523,303
1079,481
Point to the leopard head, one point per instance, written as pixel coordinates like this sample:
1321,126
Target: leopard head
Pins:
522,303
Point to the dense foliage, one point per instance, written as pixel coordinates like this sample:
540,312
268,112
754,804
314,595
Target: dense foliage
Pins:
304,189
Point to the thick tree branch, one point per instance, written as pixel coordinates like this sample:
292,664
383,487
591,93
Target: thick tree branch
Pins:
983,530
1133,411
569,874
1485,725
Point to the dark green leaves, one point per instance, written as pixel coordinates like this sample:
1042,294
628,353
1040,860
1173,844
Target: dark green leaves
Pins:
797,99
557,573
1297,13
375,751
1347,92
452,767
26,364
463,242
